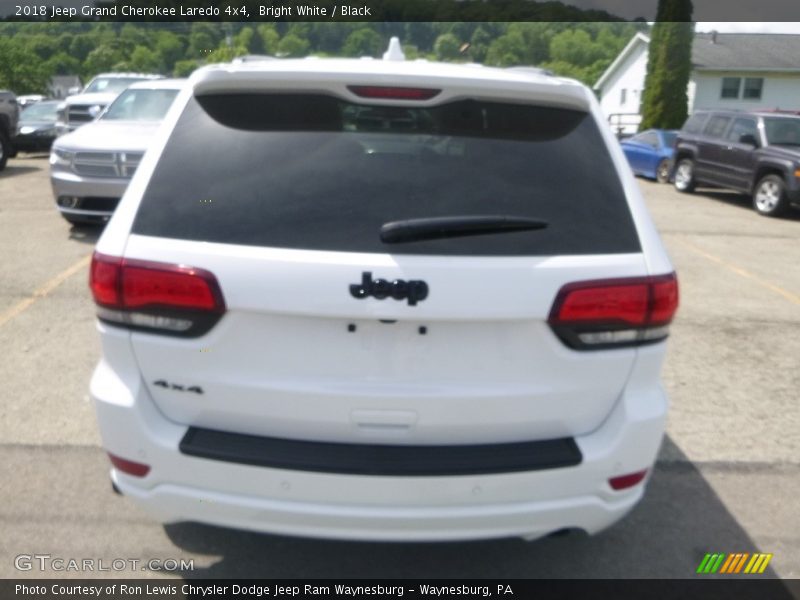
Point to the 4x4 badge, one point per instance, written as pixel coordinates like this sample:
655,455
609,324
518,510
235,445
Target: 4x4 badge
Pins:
414,290
178,388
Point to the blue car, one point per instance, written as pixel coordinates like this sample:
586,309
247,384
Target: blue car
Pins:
650,153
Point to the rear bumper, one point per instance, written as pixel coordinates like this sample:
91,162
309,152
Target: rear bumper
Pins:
373,507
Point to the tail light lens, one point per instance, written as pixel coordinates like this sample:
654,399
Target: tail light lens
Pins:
611,313
153,296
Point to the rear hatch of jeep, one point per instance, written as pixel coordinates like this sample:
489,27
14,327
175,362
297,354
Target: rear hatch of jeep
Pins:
374,267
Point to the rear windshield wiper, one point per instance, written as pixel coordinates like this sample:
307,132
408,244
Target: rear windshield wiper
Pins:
432,228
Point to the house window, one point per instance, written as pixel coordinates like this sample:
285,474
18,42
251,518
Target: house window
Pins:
752,88
623,95
730,87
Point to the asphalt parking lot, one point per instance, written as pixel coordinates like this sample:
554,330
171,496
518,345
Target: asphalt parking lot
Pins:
727,480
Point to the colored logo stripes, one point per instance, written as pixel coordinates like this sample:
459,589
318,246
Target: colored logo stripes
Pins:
741,562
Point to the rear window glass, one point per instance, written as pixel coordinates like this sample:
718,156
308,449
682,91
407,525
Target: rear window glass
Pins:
318,173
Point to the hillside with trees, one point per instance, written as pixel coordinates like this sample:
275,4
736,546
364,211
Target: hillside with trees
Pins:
34,52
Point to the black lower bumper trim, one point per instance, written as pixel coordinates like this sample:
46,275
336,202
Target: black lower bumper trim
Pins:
375,459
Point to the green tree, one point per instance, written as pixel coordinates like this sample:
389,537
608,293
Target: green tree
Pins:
507,50
669,65
203,39
363,42
292,46
19,71
63,64
80,46
479,44
447,47
144,60
269,37
184,68
576,46
102,58
170,48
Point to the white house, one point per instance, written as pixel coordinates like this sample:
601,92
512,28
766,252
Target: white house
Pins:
729,70
61,84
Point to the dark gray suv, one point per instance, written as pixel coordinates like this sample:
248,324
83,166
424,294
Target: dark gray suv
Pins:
9,116
757,153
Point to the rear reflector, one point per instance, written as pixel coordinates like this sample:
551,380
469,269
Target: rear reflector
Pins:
615,312
393,93
155,296
128,466
626,481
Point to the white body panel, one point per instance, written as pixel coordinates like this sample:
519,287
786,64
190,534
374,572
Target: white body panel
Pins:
283,362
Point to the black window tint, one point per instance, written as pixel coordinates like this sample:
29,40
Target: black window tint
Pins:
314,172
730,87
716,126
742,127
695,123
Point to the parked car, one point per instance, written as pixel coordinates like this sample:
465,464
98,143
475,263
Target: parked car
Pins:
310,330
84,107
756,153
9,116
650,153
37,126
91,167
29,99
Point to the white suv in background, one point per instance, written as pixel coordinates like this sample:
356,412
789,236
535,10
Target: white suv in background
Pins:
82,108
91,167
382,300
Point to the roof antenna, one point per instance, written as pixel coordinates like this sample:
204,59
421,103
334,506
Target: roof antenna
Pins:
395,50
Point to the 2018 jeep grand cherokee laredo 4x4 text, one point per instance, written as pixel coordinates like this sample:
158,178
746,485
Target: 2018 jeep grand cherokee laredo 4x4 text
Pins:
378,309
756,153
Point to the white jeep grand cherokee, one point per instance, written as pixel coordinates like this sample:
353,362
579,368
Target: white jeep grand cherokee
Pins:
382,300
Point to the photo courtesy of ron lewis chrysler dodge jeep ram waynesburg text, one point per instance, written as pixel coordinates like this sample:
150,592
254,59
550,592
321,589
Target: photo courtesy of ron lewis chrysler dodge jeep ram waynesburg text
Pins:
360,299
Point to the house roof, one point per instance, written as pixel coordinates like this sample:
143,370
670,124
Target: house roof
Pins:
637,39
65,80
746,51
729,52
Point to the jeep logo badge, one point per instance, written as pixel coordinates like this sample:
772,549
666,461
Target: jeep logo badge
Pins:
414,290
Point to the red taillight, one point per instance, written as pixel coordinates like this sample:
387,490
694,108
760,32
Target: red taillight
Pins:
664,294
167,285
156,296
615,312
626,303
393,93
625,481
104,279
128,466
